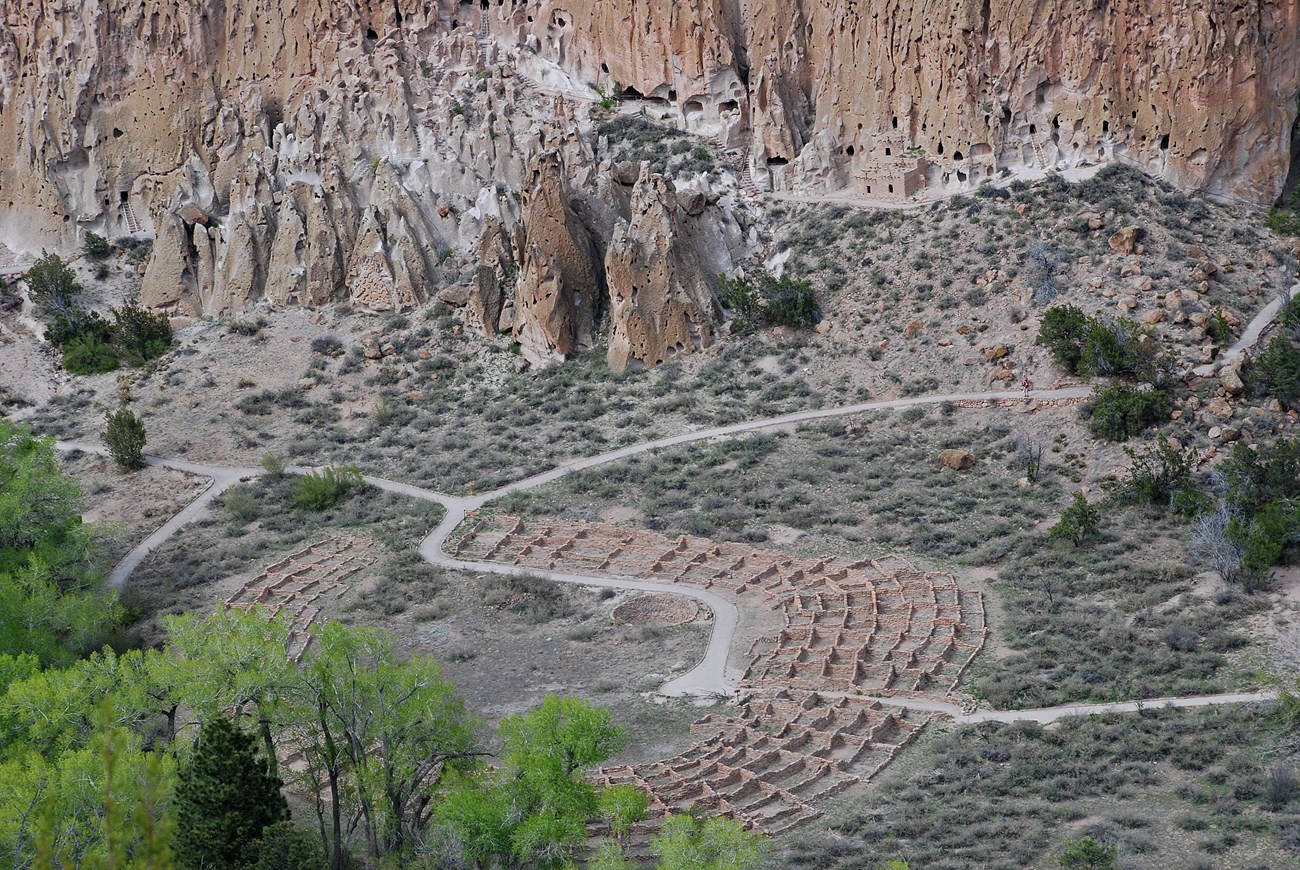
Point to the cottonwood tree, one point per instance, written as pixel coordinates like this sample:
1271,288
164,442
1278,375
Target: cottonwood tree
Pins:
53,601
533,809
688,841
236,660
377,733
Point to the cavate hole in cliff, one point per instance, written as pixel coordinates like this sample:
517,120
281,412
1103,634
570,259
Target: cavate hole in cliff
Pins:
1164,142
117,134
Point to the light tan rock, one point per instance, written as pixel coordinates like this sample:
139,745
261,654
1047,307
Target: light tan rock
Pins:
1230,380
1218,407
556,295
957,460
1125,241
661,302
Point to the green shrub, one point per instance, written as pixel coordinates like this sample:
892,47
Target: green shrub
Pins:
1159,471
789,302
318,491
1218,329
1064,331
1120,412
75,322
764,299
1284,222
1276,371
125,437
1264,538
1086,853
97,247
1078,522
53,283
1092,346
87,355
140,335
240,504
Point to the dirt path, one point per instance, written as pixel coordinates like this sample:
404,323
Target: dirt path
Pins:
711,676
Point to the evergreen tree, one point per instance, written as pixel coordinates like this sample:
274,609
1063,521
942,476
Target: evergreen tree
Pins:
125,437
225,798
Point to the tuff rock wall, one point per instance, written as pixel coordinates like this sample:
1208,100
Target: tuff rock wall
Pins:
378,153
858,93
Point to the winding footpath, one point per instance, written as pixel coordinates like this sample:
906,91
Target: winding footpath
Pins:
710,677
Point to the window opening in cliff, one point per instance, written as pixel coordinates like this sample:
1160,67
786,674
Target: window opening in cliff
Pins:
849,151
1056,122
895,122
117,134
672,96
940,149
1033,128
956,155
604,67
122,196
891,188
889,152
371,36
1164,142
1105,127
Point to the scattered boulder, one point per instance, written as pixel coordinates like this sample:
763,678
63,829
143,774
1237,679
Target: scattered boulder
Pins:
957,460
1218,407
1230,379
1125,241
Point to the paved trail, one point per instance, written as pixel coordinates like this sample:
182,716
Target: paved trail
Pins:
1262,321
711,677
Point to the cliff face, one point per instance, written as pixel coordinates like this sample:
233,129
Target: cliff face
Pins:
917,93
355,150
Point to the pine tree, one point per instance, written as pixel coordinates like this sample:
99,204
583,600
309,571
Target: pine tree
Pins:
225,798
